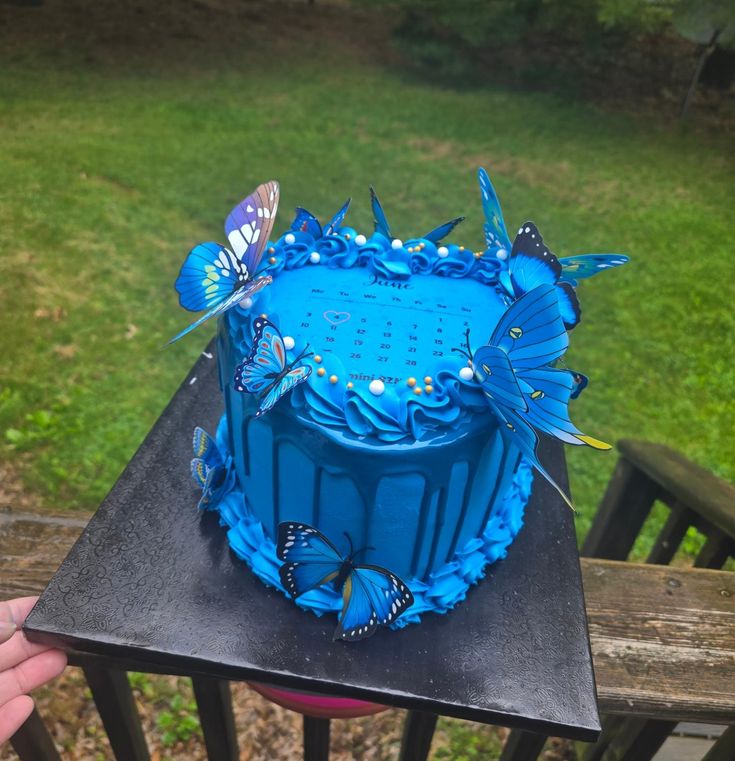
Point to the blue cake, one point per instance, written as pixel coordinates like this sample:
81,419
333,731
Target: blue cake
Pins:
395,460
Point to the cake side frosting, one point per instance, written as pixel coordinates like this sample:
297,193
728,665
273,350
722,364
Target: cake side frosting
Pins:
439,589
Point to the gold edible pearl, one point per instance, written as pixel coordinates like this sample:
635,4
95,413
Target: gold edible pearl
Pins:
264,316
417,391
273,260
318,359
332,378
271,250
411,382
321,372
427,380
347,236
428,389
478,254
461,248
350,385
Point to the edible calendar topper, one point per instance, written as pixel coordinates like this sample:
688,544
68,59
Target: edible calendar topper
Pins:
381,329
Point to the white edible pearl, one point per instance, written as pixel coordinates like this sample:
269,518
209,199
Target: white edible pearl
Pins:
376,387
443,251
466,373
397,243
314,257
360,240
502,254
246,303
288,342
289,239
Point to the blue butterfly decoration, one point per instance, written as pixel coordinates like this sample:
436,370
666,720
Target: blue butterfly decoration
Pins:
573,268
211,472
306,222
371,596
381,223
266,371
522,390
532,264
214,277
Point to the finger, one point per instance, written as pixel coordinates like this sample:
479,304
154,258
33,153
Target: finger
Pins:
28,675
12,615
18,649
12,716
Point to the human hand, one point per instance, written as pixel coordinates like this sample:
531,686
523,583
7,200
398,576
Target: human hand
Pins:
23,666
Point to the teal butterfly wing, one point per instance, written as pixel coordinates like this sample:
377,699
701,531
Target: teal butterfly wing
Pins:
381,223
495,374
441,232
496,236
582,266
531,331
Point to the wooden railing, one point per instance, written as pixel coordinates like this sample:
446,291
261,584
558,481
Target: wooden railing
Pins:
663,638
647,473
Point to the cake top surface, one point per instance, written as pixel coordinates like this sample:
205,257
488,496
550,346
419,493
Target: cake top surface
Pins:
382,319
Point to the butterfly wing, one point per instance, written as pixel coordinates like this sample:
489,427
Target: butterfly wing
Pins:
531,331
531,263
309,558
199,472
496,236
249,289
336,221
494,373
209,275
579,383
381,223
582,266
266,361
438,233
249,225
306,222
569,308
372,596
205,448
292,378
548,395
525,438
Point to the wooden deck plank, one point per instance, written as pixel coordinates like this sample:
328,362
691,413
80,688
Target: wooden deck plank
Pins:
663,638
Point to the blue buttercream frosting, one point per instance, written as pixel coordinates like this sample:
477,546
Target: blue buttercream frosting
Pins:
438,591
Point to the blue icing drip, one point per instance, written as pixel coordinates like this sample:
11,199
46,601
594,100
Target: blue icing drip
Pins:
439,593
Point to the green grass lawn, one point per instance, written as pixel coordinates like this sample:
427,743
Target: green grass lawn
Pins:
115,159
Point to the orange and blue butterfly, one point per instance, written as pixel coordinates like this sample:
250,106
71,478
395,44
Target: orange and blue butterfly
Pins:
215,277
522,390
371,596
266,371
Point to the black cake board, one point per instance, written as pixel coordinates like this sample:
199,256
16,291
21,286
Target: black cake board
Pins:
152,583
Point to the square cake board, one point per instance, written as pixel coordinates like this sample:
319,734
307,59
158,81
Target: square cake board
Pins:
152,584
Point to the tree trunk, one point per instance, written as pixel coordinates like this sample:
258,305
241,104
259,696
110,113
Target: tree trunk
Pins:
704,53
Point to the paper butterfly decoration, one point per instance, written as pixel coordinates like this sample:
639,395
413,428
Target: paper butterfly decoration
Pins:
266,372
573,268
381,223
513,370
214,277
532,264
210,471
306,222
371,596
